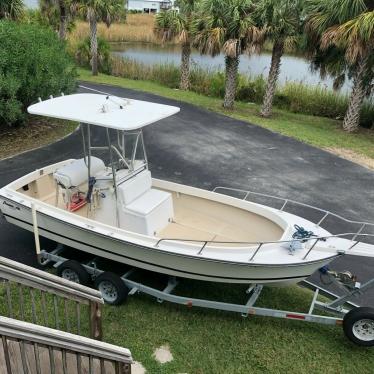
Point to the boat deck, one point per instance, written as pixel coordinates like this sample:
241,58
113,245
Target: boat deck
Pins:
201,219
195,218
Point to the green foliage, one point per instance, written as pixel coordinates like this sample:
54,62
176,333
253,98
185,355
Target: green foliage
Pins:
33,63
11,9
293,96
106,11
83,54
10,107
172,24
48,14
339,35
225,25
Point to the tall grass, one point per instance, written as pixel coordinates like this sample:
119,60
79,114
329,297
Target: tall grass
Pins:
138,28
293,96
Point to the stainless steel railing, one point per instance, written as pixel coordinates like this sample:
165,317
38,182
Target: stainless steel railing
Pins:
258,245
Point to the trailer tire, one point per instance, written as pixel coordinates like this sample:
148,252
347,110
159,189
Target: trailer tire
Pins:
358,325
112,288
72,270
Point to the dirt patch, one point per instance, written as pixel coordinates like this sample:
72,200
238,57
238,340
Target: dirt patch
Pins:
163,354
353,156
35,133
138,368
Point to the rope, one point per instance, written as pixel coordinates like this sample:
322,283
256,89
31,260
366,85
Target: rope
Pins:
301,233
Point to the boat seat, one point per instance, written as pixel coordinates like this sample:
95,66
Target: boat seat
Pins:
144,210
149,213
135,187
75,173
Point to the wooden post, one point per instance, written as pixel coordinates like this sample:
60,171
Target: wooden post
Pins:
124,368
96,328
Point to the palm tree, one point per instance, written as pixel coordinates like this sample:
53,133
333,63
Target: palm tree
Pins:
347,27
227,26
281,21
172,24
49,7
11,9
106,11
356,37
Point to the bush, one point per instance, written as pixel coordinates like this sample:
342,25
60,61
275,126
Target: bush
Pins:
83,54
33,63
251,89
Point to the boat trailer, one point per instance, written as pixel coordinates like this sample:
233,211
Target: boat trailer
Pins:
357,322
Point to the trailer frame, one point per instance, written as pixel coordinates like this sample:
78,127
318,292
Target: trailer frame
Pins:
338,305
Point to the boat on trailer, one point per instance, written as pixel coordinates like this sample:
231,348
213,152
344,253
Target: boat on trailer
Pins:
107,204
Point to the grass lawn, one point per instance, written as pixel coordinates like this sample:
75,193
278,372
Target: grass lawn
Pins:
318,131
208,341
35,133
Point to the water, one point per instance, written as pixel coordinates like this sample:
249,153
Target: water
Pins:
293,68
32,4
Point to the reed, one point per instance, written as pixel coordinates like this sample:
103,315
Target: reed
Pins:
138,28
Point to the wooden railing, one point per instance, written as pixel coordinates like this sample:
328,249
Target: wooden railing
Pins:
32,349
42,298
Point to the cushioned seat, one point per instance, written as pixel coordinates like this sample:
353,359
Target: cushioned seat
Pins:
75,173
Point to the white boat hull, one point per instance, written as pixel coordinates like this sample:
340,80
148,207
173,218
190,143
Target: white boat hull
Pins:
156,259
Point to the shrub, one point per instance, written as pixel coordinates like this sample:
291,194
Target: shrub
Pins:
33,63
251,89
83,54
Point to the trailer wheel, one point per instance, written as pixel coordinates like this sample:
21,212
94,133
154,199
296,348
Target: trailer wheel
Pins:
73,271
112,288
358,325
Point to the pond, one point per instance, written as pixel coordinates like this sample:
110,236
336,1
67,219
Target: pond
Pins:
293,68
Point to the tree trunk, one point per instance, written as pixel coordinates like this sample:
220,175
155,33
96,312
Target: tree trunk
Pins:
93,40
271,84
351,120
63,19
185,66
231,79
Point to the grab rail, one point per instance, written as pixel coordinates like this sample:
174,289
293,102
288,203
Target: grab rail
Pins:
326,214
260,244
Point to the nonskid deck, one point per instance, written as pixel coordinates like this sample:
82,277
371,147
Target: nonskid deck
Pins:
195,218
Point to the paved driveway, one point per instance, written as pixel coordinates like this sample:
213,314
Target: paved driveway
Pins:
204,149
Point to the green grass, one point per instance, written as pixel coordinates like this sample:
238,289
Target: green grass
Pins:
208,341
318,131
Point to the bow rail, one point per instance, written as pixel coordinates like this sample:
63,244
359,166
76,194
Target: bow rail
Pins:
258,245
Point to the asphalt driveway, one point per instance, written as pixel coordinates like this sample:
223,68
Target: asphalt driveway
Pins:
205,149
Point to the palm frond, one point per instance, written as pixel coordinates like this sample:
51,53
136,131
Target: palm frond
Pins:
355,36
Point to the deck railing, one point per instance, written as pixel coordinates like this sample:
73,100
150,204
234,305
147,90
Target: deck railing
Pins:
32,349
283,206
42,298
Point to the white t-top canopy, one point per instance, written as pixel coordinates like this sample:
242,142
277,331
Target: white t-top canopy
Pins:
101,110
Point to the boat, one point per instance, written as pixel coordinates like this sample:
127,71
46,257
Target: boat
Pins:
108,204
